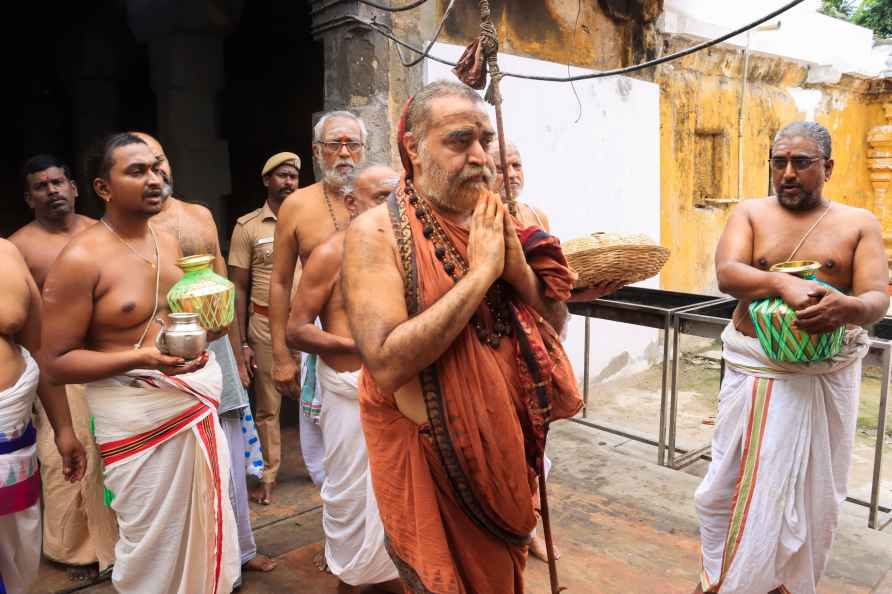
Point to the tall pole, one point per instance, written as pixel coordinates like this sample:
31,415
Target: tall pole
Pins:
490,46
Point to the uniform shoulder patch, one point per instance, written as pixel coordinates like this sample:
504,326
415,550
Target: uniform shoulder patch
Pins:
248,217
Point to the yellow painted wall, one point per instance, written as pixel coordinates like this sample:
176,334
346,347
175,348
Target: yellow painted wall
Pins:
702,93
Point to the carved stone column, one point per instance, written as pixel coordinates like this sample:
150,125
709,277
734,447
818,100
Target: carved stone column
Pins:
362,72
879,161
186,48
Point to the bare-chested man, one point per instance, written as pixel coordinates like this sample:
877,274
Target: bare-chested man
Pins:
194,227
20,329
78,529
354,537
307,218
165,457
449,308
769,504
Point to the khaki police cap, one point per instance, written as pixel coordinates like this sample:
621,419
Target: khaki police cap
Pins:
280,159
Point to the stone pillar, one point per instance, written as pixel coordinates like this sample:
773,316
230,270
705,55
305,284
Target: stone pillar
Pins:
362,71
186,50
879,161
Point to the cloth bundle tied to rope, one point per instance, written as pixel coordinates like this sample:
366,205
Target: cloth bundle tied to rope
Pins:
482,53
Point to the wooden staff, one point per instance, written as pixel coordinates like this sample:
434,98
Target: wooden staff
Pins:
472,71
490,46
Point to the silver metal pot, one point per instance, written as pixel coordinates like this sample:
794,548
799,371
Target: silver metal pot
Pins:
183,337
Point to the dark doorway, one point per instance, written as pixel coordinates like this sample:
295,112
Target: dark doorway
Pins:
274,85
85,78
93,77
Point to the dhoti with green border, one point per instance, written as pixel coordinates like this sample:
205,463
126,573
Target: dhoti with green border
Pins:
769,504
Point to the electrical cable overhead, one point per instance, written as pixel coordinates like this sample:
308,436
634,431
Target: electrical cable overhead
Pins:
383,7
381,29
409,6
430,45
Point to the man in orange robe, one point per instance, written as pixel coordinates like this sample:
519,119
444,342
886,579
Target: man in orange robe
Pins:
455,314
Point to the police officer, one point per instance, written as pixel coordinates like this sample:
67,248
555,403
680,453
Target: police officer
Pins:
250,266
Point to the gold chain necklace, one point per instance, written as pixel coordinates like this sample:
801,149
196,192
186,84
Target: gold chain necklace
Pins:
130,247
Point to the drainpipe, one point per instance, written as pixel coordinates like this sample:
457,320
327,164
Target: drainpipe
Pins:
740,109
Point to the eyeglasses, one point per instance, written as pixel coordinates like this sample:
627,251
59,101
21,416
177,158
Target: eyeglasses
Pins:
799,163
334,146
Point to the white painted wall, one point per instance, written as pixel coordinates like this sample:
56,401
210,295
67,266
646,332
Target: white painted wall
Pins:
805,35
600,174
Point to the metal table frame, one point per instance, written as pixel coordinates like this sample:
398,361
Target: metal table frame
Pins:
708,326
639,314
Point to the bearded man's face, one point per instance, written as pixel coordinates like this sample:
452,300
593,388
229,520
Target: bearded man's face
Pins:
339,150
452,168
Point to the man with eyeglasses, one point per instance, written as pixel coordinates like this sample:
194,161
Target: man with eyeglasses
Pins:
308,217
769,504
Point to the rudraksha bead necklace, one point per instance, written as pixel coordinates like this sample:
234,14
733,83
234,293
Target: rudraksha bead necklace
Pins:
456,267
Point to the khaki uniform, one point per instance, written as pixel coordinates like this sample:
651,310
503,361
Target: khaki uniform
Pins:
251,248
78,529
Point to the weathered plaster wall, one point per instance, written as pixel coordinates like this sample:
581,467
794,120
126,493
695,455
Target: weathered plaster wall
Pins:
698,108
597,35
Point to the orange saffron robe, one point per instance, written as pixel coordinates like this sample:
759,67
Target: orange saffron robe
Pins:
456,495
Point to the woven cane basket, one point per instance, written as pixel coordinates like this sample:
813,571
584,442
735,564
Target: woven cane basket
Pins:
602,257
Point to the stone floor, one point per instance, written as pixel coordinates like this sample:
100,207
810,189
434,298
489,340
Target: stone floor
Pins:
623,524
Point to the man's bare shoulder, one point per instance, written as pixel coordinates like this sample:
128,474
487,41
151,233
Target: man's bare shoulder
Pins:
853,214
24,234
83,249
752,206
9,251
86,221
374,222
299,200
198,212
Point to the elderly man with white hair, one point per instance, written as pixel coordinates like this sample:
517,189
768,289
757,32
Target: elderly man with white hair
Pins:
308,217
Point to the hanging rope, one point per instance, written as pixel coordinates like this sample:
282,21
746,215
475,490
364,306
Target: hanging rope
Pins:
480,55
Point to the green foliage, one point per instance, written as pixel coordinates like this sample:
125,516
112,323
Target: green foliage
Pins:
840,9
876,15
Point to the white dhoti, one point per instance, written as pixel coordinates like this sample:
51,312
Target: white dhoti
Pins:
19,484
167,467
769,504
354,535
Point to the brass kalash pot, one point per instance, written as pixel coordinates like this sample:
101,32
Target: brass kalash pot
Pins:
200,301
773,320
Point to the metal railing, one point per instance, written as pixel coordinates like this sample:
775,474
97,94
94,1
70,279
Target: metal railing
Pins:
705,316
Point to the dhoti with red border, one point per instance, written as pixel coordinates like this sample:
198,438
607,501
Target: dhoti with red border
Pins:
166,465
